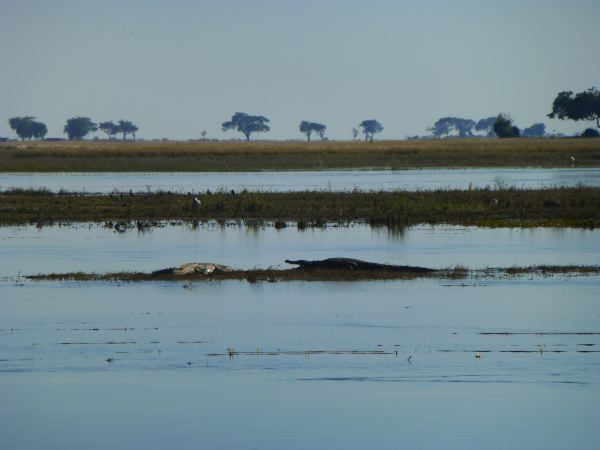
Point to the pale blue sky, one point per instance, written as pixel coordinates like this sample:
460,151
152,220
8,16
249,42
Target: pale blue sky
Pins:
177,67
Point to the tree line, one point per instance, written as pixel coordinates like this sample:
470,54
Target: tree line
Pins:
567,105
76,128
248,124
501,126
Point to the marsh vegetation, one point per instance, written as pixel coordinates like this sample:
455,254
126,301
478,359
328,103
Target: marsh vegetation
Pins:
576,207
103,156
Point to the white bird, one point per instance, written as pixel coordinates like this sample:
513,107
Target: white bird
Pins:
572,161
196,203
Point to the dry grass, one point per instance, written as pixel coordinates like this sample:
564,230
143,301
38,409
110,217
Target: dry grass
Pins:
100,156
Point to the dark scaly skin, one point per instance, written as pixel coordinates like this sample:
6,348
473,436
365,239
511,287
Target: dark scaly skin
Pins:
164,271
354,264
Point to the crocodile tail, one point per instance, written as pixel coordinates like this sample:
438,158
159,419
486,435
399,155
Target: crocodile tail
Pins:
166,271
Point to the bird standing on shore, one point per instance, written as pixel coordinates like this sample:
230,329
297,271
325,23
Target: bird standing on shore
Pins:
196,203
572,161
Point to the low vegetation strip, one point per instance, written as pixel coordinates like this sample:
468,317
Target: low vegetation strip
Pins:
574,207
270,275
104,156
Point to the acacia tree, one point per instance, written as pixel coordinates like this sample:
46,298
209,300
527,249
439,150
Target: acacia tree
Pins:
110,128
504,128
308,128
535,130
581,106
39,130
79,127
370,127
126,127
486,125
246,124
445,125
27,128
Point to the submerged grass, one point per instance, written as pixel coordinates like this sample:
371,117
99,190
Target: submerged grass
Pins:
270,275
102,156
574,207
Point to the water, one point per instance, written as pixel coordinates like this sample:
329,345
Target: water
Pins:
297,365
336,180
95,248
172,382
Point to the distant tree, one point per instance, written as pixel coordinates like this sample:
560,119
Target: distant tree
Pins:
486,125
27,128
535,130
126,128
110,128
39,130
354,133
504,128
581,106
203,134
79,127
370,127
440,129
308,128
445,126
246,124
590,133
320,129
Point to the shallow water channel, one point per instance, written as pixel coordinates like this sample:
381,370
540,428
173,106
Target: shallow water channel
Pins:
336,180
90,247
296,365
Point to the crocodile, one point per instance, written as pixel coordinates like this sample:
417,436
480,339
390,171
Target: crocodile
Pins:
189,268
354,264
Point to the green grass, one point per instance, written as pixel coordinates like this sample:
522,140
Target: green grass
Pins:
90,156
575,207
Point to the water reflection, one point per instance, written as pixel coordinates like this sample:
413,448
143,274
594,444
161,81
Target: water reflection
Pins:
336,180
96,248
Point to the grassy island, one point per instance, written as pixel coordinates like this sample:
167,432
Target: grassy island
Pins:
574,207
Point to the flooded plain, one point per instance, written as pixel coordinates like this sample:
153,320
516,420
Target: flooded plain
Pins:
335,180
495,364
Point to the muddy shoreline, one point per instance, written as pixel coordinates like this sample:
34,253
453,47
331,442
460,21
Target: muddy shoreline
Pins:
277,275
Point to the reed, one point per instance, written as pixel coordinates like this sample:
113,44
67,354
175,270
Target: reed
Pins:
104,156
576,207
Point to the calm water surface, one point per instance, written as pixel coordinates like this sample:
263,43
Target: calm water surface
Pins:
336,180
297,365
332,368
95,248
